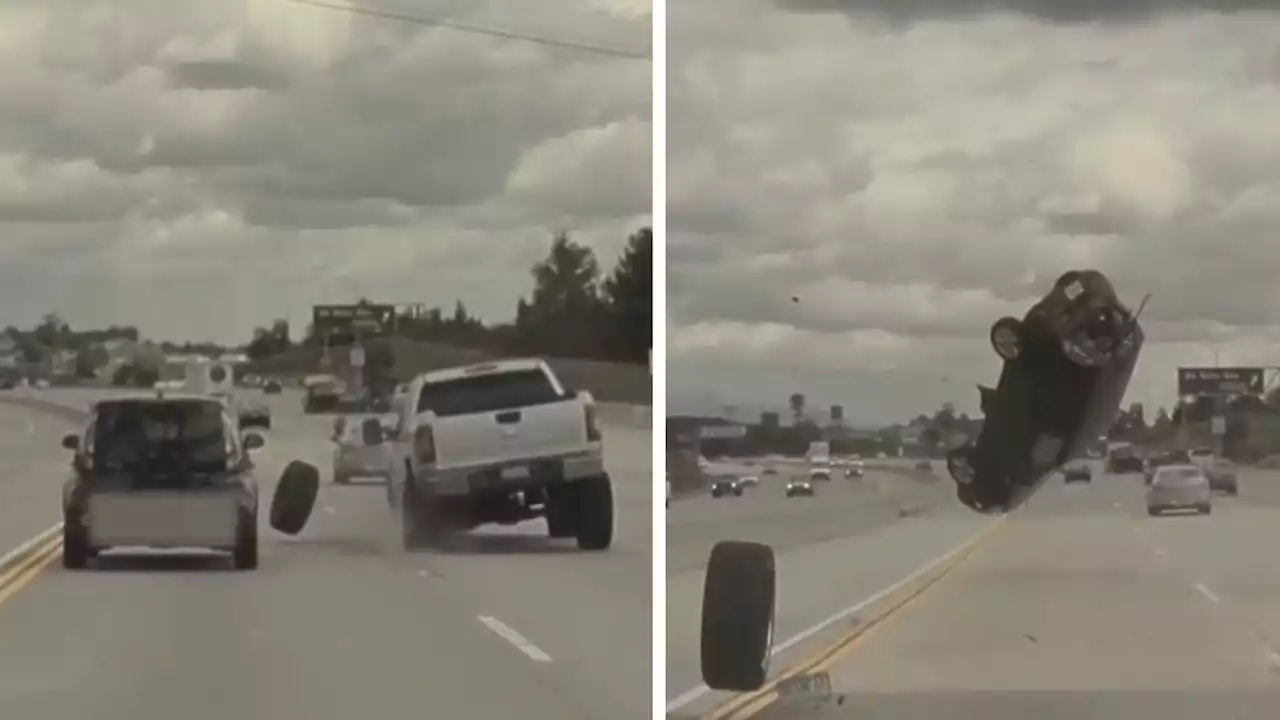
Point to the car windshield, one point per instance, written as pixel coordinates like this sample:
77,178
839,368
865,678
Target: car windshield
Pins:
168,435
1174,477
489,392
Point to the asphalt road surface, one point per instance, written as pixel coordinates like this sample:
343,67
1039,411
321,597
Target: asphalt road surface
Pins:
845,525
338,622
1078,607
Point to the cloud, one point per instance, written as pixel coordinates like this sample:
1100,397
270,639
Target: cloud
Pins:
855,196
243,160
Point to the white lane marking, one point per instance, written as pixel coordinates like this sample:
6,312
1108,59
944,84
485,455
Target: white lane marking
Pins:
692,694
29,545
1205,591
509,634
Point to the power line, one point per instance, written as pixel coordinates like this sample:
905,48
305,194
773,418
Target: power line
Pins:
477,30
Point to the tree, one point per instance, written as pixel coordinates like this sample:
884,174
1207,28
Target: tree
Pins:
564,310
628,294
796,401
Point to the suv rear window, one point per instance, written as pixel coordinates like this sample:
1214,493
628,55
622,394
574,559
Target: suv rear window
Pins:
487,393
180,433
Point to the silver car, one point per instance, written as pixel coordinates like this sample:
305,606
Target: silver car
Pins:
1179,487
352,458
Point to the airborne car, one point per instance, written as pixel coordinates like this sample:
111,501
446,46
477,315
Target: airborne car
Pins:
1067,365
172,471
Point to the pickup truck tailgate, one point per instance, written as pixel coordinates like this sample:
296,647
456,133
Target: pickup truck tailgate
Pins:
505,435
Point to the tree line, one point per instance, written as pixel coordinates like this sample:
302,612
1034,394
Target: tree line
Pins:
574,310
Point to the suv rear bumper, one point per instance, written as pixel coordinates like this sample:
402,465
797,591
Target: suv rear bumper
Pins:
164,519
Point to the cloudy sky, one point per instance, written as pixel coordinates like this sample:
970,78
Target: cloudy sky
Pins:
197,168
912,170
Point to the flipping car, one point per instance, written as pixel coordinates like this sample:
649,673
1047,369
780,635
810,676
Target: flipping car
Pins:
726,487
497,442
171,471
1067,365
1179,487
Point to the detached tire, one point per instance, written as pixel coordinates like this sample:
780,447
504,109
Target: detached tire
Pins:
594,512
739,598
295,497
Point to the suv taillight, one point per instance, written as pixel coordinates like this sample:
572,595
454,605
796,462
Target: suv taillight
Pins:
424,445
593,428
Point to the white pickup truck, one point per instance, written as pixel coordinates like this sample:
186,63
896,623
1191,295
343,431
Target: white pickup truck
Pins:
497,442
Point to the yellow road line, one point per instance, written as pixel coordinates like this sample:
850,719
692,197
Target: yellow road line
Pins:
25,571
748,705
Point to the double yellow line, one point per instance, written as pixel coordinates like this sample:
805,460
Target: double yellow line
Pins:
25,568
751,704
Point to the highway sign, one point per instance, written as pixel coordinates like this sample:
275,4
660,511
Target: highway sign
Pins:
722,432
345,318
1220,381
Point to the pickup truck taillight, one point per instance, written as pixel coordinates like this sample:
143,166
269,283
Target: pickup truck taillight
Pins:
593,428
424,445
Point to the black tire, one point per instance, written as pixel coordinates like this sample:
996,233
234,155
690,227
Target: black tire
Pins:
1007,323
341,479
295,497
739,597
245,555
1205,509
561,513
593,510
1153,512
75,547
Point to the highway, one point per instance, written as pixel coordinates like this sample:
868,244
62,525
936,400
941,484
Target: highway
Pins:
1078,606
338,622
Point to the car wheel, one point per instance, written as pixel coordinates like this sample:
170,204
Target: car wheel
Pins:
245,555
1153,512
341,479
593,507
1205,509
75,546
738,611
1006,338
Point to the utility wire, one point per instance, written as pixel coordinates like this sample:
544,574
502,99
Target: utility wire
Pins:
477,30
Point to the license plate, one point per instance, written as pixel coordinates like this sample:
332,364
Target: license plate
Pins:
515,472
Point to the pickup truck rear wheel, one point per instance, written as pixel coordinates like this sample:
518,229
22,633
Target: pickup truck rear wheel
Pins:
561,512
594,512
738,601
420,518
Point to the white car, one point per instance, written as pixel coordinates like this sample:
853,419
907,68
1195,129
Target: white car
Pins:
498,442
161,471
749,481
798,487
352,458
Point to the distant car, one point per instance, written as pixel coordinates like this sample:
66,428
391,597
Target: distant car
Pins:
1153,463
1077,472
800,487
272,387
323,394
1179,487
1200,455
253,413
853,472
769,471
820,475
924,465
352,458
747,481
1124,459
726,487
1066,366
1223,476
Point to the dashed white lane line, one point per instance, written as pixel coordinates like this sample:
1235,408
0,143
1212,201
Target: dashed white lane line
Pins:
1205,591
509,634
